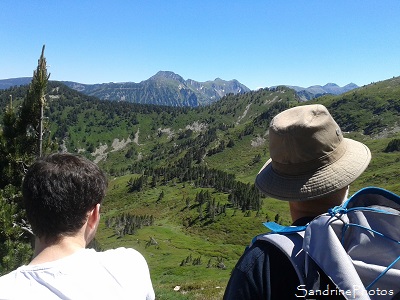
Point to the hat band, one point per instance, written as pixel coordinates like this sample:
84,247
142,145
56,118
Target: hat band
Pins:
294,169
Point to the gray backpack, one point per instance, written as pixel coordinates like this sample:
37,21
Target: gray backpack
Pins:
357,245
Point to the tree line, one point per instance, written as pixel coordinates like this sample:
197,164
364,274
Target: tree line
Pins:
240,195
127,223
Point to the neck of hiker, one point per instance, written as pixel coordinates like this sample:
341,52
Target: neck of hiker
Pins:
46,251
51,249
315,207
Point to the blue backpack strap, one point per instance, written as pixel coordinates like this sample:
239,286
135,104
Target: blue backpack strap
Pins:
290,241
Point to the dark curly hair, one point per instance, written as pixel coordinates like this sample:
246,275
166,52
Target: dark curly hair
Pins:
58,191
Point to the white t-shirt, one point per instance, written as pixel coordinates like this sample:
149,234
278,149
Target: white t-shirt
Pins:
113,274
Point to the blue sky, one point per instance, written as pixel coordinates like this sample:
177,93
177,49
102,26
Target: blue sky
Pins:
260,43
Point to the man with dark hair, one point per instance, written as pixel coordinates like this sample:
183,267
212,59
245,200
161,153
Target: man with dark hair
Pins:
62,195
311,166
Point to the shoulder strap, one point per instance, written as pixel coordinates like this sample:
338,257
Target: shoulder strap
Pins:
292,246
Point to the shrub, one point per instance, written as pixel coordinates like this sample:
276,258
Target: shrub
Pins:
394,145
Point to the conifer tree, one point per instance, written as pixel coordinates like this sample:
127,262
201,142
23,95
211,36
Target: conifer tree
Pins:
31,118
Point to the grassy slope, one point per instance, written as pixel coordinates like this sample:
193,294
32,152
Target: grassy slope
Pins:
223,239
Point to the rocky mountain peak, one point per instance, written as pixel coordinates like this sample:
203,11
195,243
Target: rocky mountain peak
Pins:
167,75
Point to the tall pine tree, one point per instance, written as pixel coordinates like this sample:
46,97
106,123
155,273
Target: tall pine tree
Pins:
31,118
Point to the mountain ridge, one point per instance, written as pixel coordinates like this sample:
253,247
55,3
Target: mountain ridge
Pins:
316,91
171,89
163,88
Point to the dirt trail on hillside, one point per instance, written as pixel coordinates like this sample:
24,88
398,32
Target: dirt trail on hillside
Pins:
244,114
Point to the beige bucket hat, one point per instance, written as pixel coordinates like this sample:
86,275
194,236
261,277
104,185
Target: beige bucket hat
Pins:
310,157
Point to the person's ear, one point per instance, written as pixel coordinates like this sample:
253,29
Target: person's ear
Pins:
94,216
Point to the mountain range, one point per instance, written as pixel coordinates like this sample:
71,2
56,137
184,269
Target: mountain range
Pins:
170,89
164,88
316,91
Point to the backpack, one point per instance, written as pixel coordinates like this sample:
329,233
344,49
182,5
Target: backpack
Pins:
357,245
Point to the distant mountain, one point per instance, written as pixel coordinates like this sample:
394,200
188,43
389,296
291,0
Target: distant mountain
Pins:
6,83
316,91
164,88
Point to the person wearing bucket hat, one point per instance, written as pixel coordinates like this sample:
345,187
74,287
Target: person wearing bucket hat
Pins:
311,166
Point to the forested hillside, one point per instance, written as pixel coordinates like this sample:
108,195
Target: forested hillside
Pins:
181,179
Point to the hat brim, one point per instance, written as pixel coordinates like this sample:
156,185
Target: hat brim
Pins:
323,181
